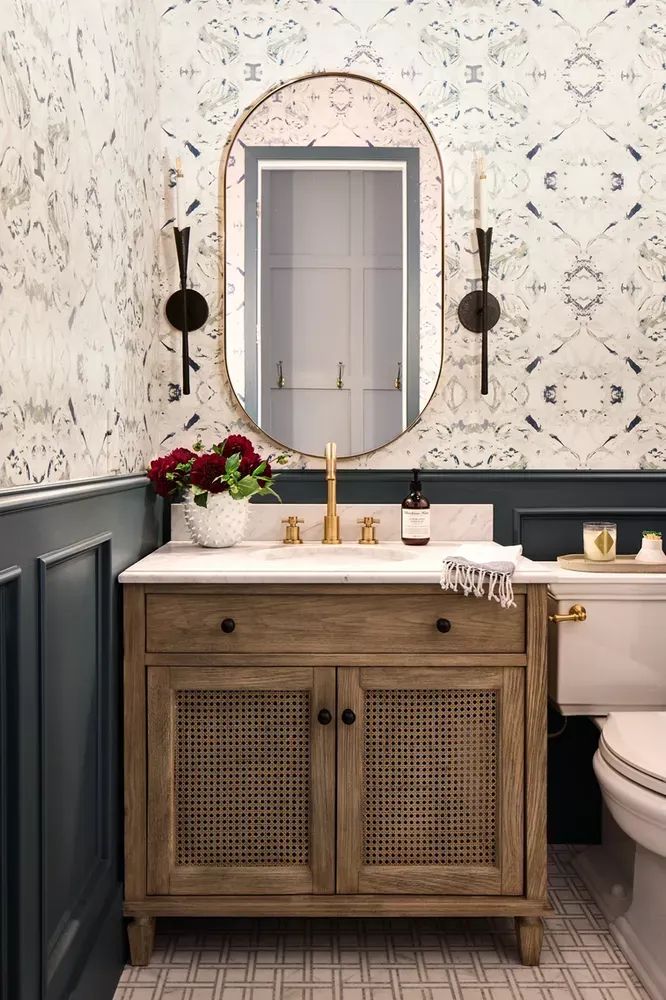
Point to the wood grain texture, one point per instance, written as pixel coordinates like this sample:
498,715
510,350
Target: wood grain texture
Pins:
350,782
529,932
425,678
141,935
242,678
536,735
243,880
268,660
354,792
512,781
168,875
381,638
339,906
134,629
323,781
190,622
430,880
160,841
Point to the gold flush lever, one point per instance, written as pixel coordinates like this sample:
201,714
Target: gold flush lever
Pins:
577,613
368,530
292,533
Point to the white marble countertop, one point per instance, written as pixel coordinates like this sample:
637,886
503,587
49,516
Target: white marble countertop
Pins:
272,562
262,559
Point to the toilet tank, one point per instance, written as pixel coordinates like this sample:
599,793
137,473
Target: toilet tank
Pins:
616,660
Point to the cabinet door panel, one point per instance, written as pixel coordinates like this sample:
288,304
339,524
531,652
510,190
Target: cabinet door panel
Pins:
241,781
430,792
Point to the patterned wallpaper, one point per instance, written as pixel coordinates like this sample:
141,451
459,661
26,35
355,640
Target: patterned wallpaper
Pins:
568,102
80,177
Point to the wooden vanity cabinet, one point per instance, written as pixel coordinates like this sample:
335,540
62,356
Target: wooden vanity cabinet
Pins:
282,758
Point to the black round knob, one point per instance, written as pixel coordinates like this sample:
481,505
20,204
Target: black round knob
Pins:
348,717
324,717
443,625
228,625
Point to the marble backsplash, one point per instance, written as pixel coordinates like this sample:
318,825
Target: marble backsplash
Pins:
448,522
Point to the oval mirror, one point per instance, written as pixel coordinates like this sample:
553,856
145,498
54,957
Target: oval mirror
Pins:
333,244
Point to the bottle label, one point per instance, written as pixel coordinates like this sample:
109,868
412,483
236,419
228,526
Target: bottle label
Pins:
416,523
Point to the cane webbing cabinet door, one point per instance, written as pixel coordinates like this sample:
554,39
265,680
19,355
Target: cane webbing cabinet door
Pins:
430,780
241,780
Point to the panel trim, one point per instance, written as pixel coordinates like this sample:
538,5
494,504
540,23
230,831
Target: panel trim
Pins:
522,514
18,498
56,958
9,633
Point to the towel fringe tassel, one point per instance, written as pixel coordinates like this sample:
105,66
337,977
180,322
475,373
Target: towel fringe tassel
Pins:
473,580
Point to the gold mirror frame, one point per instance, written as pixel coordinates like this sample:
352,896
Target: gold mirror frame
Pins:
223,247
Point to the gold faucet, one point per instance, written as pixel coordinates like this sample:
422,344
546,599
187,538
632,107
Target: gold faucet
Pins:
331,520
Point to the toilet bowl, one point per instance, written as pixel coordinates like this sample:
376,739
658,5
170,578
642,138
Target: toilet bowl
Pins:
615,671
630,766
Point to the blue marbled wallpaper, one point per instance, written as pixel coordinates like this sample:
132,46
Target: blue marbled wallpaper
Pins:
567,100
80,176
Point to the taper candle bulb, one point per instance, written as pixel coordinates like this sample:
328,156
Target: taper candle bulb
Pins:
483,200
179,192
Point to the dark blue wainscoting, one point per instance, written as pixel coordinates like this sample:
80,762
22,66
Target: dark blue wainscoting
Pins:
61,550
543,511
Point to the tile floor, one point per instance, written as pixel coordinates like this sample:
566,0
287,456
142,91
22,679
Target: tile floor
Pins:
390,959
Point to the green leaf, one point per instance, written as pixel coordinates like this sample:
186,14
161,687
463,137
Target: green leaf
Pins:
201,499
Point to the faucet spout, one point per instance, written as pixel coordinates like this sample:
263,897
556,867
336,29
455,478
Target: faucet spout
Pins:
331,519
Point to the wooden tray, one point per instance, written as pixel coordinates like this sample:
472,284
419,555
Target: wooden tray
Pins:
621,564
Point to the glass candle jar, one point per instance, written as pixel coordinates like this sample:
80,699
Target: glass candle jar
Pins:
600,541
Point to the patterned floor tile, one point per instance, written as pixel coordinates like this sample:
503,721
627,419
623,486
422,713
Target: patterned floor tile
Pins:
390,959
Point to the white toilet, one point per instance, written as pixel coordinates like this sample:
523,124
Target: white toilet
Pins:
613,667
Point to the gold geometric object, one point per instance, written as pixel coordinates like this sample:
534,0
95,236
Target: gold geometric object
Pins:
604,542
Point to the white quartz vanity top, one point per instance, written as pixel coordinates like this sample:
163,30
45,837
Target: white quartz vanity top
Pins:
272,562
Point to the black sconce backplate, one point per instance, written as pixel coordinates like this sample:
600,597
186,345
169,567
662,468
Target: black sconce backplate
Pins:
195,304
470,311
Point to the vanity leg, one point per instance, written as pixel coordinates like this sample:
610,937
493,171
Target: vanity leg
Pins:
529,931
141,934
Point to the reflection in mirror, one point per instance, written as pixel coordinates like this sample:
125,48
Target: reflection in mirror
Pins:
333,265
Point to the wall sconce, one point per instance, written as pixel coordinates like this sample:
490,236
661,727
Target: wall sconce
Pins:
479,311
186,309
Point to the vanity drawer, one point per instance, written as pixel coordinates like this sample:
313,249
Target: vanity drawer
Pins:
325,623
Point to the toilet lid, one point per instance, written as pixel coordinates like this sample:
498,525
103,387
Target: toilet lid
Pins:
634,744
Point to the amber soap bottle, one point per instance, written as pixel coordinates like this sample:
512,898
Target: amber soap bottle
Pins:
415,527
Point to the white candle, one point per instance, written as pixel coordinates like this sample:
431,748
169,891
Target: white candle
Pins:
483,197
600,541
179,193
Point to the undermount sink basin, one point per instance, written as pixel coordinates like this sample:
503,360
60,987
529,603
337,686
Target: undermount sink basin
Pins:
349,553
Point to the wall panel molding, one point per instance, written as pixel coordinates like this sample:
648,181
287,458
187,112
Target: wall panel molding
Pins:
515,496
69,541
92,887
9,640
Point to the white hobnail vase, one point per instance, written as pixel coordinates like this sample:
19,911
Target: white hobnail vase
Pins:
222,523
651,550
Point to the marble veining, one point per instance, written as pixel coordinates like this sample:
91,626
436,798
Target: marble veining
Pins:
448,522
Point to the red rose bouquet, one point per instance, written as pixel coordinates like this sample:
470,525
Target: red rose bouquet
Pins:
233,465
